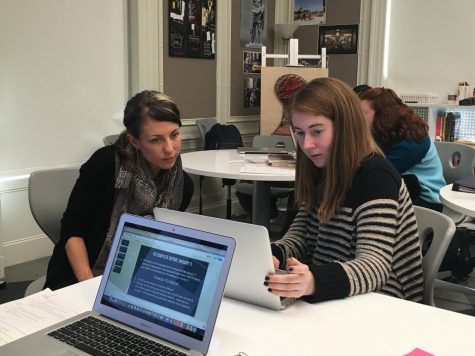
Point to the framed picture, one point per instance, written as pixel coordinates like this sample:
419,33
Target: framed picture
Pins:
251,62
340,39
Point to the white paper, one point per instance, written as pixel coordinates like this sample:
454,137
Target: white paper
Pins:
35,312
265,169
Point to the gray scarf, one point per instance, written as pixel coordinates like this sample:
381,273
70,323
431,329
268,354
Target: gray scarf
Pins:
137,192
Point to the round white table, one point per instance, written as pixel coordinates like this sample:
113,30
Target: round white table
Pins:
227,164
460,202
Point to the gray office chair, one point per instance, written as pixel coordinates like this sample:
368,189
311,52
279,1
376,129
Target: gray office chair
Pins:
441,228
48,195
110,139
277,141
458,160
204,125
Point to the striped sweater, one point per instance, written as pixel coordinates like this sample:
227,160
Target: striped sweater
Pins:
371,244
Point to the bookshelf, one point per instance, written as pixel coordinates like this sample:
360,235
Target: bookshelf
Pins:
463,125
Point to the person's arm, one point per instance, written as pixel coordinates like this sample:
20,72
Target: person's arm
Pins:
374,219
78,258
88,212
407,154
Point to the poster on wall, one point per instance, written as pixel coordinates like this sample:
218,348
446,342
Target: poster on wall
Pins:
192,28
253,23
251,62
252,92
340,39
309,12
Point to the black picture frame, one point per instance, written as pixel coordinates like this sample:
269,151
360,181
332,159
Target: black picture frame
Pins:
338,39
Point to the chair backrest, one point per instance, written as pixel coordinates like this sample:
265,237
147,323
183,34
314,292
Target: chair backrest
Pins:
204,125
440,228
273,141
457,159
48,195
110,139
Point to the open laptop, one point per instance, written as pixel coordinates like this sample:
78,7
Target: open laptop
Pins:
285,145
163,282
252,259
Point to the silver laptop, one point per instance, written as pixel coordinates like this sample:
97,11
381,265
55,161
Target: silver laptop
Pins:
252,259
163,285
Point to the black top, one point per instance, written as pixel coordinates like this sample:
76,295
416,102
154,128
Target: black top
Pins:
88,213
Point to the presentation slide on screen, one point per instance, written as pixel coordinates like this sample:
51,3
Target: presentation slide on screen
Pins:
168,279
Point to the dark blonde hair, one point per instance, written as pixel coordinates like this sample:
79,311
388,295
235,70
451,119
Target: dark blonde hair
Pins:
326,188
393,120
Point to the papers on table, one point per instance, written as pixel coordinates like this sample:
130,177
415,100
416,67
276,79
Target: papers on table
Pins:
35,312
258,164
265,169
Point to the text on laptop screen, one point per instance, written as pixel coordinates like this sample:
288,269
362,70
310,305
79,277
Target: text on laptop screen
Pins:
166,278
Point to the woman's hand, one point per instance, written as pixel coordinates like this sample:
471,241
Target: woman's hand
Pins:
296,283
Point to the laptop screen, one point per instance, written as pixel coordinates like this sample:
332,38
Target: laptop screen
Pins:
166,277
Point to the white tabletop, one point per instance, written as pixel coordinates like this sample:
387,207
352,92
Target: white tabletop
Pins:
461,202
370,324
226,164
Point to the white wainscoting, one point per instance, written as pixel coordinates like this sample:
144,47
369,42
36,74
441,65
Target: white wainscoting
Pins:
21,239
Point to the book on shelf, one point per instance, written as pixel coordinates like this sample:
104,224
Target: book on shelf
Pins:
465,184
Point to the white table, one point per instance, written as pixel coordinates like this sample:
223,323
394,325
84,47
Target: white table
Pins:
227,164
370,324
460,202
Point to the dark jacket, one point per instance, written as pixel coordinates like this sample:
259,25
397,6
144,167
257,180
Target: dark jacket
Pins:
88,214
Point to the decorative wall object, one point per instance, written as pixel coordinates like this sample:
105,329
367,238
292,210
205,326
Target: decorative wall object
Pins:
309,12
192,28
251,62
253,23
252,92
340,39
278,84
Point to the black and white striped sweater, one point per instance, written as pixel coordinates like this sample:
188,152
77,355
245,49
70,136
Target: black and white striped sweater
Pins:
371,244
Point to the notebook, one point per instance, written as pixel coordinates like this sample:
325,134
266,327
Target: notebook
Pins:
164,282
252,259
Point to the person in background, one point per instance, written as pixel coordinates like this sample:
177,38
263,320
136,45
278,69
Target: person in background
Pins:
142,170
361,89
355,231
404,138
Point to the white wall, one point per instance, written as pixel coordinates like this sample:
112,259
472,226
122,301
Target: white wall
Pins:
431,46
63,79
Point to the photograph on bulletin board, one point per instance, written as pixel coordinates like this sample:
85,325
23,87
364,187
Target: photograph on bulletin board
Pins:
251,62
252,92
192,28
340,39
253,23
309,12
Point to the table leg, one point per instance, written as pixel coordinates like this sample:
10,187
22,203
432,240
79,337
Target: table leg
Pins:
261,203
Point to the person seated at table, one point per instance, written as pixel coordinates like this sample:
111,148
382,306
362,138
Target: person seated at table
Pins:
361,89
404,138
142,170
355,231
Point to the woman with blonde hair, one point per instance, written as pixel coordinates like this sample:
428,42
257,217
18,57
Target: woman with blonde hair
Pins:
355,231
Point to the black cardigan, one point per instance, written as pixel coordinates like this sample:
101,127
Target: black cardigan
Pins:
88,213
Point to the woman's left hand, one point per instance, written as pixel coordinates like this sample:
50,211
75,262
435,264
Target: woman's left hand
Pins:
296,283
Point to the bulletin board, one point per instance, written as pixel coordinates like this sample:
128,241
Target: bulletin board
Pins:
271,107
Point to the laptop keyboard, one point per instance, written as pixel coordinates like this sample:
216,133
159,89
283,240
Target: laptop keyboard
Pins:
97,337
